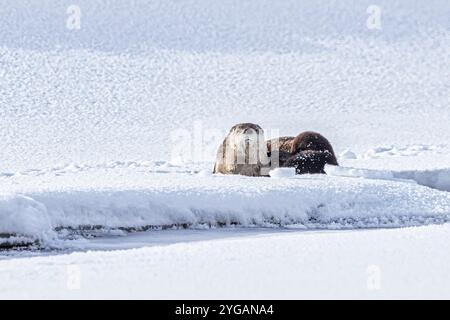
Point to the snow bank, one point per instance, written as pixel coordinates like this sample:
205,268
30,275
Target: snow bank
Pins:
436,179
24,216
197,201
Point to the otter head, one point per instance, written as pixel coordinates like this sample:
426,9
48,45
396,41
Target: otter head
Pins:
244,151
247,145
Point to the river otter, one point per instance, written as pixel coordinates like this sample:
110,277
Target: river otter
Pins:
243,152
308,152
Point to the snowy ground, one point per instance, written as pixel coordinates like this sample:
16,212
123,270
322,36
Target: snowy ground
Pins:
54,206
224,264
113,128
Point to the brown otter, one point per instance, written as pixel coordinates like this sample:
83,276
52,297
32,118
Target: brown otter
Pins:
243,152
279,151
310,161
308,152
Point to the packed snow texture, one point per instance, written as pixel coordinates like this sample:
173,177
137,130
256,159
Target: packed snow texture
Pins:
137,71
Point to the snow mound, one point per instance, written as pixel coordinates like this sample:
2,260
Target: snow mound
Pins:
23,215
348,154
282,173
195,201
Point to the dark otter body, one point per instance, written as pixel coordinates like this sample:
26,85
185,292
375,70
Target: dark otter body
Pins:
282,144
279,151
309,161
313,141
308,152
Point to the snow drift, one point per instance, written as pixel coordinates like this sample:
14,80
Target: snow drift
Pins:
198,201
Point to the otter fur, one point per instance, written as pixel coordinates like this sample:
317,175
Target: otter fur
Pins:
308,152
243,152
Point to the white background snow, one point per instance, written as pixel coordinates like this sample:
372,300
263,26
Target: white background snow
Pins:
88,118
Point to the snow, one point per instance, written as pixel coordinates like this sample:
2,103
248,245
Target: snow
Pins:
282,173
135,74
436,179
348,154
222,264
114,128
52,206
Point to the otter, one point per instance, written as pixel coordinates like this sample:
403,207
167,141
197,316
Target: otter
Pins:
243,152
308,152
310,161
279,151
